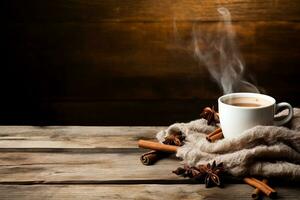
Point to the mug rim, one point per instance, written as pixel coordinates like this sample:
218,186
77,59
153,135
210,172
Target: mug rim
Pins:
247,94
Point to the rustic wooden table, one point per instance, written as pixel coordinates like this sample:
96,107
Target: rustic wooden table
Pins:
96,163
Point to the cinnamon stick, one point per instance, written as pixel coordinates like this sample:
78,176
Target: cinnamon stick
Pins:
151,157
157,146
270,192
273,192
218,130
215,135
257,192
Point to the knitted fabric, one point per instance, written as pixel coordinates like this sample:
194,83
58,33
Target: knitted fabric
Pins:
267,151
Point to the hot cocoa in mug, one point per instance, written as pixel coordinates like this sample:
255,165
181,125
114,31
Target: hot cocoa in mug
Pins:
242,111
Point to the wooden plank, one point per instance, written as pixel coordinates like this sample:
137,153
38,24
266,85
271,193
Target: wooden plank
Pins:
149,10
77,131
68,168
115,157
73,137
145,74
61,175
141,191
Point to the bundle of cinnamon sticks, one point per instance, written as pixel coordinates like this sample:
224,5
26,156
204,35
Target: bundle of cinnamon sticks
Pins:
169,146
146,144
260,187
158,150
159,147
215,135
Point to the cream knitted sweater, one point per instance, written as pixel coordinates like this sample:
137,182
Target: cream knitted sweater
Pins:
268,151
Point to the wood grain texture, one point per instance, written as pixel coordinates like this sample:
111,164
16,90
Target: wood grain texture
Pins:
143,60
74,137
117,174
79,62
133,74
93,168
149,192
149,10
108,192
118,165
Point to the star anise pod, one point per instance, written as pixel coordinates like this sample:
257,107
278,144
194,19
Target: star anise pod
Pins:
210,115
213,174
187,171
175,138
209,174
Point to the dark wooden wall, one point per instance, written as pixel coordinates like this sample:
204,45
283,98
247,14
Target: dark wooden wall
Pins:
118,62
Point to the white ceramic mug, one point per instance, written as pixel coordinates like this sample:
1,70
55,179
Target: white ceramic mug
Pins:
236,117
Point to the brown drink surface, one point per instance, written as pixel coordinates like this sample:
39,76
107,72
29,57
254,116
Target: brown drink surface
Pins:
247,102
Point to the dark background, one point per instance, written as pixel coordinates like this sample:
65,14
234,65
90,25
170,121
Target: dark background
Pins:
118,62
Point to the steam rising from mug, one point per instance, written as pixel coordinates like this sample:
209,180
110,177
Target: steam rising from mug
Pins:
221,56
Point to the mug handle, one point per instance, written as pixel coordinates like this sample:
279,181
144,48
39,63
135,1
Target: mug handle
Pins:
287,118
